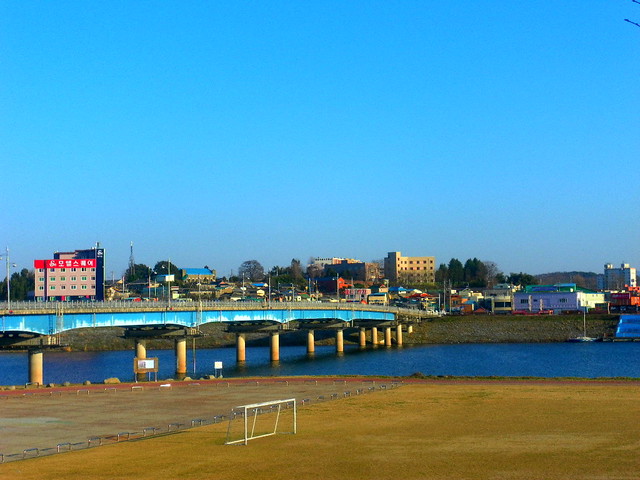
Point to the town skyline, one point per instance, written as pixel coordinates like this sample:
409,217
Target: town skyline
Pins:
112,272
215,133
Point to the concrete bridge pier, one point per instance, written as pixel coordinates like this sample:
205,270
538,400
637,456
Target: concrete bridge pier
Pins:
141,348
241,354
181,357
36,376
362,337
311,342
340,341
374,336
141,352
409,329
399,334
387,336
274,340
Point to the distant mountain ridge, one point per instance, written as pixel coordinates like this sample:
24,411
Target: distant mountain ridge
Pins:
582,279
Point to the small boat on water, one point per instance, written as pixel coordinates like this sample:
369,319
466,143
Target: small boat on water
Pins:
583,337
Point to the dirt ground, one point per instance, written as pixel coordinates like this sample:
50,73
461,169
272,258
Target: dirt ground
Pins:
43,419
428,430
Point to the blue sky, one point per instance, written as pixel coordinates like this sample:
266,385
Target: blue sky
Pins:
218,132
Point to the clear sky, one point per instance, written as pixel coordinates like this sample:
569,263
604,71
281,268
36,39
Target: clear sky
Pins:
214,132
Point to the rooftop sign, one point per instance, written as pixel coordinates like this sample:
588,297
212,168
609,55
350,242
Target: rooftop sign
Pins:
66,263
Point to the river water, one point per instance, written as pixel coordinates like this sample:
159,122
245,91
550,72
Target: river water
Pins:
589,360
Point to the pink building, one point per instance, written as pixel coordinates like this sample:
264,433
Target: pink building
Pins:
77,275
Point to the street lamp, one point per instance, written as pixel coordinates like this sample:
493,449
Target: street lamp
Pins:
169,278
149,285
9,265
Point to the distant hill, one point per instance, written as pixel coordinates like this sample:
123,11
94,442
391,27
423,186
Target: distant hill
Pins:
582,279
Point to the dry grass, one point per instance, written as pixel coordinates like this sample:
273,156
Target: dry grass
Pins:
424,431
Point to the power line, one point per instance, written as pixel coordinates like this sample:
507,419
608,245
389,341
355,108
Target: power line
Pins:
633,23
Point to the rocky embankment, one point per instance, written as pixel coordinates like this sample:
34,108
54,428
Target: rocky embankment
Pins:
442,330
510,329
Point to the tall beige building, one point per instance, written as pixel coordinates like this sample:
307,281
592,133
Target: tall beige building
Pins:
409,269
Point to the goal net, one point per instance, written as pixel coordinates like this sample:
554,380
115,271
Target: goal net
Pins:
257,420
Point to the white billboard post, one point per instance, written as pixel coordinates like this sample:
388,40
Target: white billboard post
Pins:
146,365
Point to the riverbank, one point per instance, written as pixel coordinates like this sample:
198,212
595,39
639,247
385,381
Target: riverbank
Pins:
510,329
440,330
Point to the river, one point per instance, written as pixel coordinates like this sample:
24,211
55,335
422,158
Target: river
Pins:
589,360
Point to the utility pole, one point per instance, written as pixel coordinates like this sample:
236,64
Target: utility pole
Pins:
132,263
9,265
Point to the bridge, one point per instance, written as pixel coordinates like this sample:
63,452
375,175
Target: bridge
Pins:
36,327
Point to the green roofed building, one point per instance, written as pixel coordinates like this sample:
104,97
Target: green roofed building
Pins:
561,297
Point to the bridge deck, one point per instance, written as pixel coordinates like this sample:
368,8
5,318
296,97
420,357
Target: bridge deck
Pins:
49,319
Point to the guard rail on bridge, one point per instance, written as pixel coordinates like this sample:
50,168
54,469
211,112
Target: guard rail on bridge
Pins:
125,306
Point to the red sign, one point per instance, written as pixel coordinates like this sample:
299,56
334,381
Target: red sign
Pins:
66,263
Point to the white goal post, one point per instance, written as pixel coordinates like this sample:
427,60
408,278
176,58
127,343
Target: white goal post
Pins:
270,413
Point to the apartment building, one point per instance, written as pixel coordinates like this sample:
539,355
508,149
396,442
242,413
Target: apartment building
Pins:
617,278
77,275
409,269
354,270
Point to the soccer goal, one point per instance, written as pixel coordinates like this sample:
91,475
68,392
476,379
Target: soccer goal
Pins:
257,420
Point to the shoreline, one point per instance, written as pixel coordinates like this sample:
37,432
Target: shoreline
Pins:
50,389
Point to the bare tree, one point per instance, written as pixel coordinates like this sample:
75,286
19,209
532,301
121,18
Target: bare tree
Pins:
313,269
296,269
251,270
491,272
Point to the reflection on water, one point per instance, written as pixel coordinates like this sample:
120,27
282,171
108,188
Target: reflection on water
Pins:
617,359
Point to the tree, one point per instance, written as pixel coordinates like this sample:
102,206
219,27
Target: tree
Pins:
296,270
442,274
313,269
139,272
521,279
492,273
21,284
164,267
251,270
456,272
287,276
475,273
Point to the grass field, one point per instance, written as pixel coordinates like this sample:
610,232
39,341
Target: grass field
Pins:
430,430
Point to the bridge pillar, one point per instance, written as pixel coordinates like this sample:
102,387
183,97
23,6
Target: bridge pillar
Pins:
141,352
374,335
181,358
409,328
311,342
399,334
340,341
141,348
35,366
241,356
362,337
387,336
275,346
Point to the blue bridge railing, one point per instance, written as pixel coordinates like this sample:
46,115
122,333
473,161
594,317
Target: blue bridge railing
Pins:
48,319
